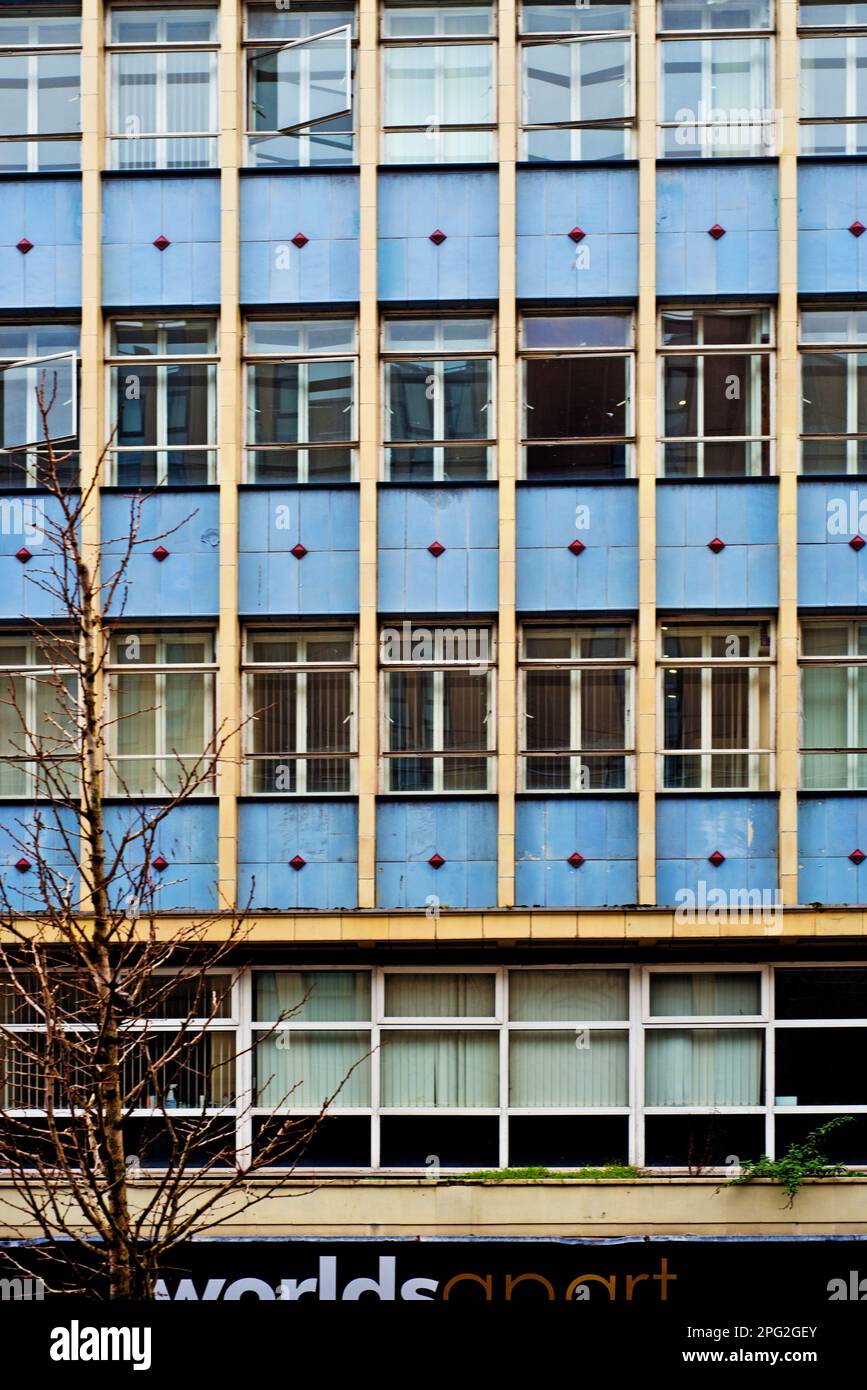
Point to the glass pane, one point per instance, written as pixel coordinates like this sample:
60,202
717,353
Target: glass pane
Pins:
39,401
311,996
158,25
711,14
272,403
577,330
574,397
465,711
581,16
549,1068
701,993
709,1067
440,1069
304,1070
410,709
824,388
58,93
439,996
298,86
13,94
825,706
556,996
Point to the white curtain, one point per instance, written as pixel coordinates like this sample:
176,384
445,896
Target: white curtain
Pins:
562,1069
824,691
713,1066
315,996
303,1069
439,1069
439,996
558,996
704,994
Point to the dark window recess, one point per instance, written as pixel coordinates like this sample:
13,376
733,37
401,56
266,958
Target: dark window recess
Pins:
701,1141
338,1142
817,993
822,1066
845,1144
407,1141
568,1141
150,1142
576,414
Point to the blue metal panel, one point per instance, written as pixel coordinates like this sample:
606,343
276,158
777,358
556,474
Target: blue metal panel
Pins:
829,829
463,206
138,210
272,522
19,837
830,573
187,838
604,575
744,516
604,831
830,198
321,207
689,828
323,833
26,523
187,584
603,203
47,212
464,579
741,198
408,833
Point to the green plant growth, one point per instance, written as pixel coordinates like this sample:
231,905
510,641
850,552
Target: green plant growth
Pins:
800,1161
612,1170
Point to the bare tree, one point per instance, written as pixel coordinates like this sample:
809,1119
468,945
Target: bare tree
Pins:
118,1112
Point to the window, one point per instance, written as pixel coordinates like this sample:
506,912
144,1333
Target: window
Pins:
163,401
577,708
577,419
831,14
440,421
163,65
715,707
299,75
439,102
716,394
40,91
38,713
833,705
715,97
833,391
834,89
578,86
161,700
300,690
438,708
301,423
38,401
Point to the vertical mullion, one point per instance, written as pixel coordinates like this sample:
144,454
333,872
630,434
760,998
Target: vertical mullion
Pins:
501,1006
301,731
438,705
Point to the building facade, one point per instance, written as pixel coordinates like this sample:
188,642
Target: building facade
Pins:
495,375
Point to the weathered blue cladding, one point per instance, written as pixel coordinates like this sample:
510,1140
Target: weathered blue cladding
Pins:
408,833
740,198
32,589
605,574
135,212
604,831
744,516
187,525
689,828
187,839
829,829
465,207
830,198
53,841
273,521
323,833
321,207
47,212
464,578
603,203
830,573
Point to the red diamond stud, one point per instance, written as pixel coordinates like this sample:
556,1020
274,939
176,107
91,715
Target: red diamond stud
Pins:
300,240
23,865
296,862
716,859
161,553
716,545
162,243
299,551
576,234
436,549
436,861
576,860
716,231
24,246
437,237
858,856
857,228
160,863
858,543
23,555
576,546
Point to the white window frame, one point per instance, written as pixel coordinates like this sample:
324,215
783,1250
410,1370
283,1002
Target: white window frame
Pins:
761,94
33,137
34,669
575,124
853,347
850,661
854,120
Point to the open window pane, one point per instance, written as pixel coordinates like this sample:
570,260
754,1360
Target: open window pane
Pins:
39,400
308,81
